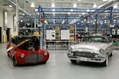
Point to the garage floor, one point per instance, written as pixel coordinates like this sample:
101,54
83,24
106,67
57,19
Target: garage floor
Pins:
58,67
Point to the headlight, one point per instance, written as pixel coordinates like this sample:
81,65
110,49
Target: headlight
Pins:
45,53
22,55
101,51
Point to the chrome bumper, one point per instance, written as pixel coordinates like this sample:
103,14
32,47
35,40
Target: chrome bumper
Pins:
98,60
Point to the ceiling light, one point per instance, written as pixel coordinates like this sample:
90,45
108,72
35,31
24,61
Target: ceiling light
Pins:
94,6
10,5
88,10
75,5
53,9
69,13
71,10
115,6
32,5
36,10
104,0
53,5
21,21
23,14
83,13
79,0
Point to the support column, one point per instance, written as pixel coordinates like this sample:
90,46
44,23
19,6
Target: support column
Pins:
111,23
39,26
17,14
96,23
24,24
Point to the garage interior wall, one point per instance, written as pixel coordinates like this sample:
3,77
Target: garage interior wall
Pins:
9,25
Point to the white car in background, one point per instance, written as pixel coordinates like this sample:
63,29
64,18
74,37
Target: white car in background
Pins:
91,49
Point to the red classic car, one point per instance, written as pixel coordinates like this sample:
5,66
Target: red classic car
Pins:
25,50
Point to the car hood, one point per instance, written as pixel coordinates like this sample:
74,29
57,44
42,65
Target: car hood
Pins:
90,46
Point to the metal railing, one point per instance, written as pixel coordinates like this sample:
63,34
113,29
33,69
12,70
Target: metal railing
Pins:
57,45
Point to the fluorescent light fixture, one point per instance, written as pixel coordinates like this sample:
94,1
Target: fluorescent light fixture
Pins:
79,0
83,13
53,4
46,22
10,5
69,13
21,21
23,14
63,21
32,5
104,0
71,10
114,20
115,6
36,10
88,10
53,9
75,5
94,6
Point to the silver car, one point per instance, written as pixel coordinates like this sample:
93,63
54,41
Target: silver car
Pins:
91,49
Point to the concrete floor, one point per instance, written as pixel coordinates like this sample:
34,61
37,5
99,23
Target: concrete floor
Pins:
58,67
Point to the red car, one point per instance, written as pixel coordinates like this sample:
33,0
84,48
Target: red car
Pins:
25,50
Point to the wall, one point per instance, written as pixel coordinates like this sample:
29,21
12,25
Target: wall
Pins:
10,25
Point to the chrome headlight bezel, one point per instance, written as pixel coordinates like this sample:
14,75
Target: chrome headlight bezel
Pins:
101,51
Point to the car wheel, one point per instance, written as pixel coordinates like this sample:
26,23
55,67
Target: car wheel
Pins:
73,61
15,63
106,62
8,55
111,54
43,62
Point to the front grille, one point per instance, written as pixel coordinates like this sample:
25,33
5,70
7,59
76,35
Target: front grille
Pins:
84,54
34,58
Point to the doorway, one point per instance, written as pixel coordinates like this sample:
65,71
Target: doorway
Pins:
8,34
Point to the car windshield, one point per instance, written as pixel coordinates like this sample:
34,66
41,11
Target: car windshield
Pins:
94,39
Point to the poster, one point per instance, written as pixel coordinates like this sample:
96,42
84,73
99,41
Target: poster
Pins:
50,34
65,35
